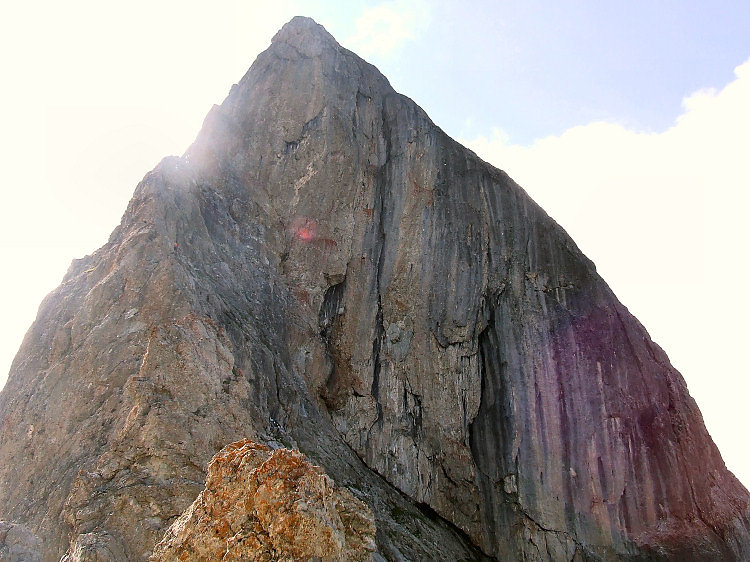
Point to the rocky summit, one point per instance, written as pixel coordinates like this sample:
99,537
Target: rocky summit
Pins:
325,272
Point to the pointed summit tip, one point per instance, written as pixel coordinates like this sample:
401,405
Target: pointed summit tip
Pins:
306,35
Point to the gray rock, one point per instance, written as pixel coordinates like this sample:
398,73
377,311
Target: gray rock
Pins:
95,547
18,543
350,282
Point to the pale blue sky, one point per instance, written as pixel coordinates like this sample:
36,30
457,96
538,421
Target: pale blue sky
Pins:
643,108
538,67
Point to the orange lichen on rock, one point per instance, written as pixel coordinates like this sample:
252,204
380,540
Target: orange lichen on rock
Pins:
263,504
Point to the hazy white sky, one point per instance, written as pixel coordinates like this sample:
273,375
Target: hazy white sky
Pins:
628,122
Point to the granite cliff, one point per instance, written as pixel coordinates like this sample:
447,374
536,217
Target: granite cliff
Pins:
325,270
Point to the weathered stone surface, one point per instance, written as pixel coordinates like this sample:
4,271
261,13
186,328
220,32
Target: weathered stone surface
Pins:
18,544
260,504
350,282
95,547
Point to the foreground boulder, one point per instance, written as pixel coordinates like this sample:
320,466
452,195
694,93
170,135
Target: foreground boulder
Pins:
324,269
260,504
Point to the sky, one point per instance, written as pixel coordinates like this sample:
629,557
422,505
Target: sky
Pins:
628,122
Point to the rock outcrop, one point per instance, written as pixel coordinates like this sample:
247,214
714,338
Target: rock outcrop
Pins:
326,270
260,504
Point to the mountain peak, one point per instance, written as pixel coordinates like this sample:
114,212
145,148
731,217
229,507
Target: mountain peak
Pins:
327,271
305,35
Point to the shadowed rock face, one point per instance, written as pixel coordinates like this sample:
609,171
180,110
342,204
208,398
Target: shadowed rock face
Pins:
351,282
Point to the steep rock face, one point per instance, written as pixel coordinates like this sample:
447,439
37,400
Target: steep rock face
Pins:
260,504
148,359
348,279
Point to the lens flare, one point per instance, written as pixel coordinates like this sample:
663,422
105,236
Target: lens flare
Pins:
305,229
